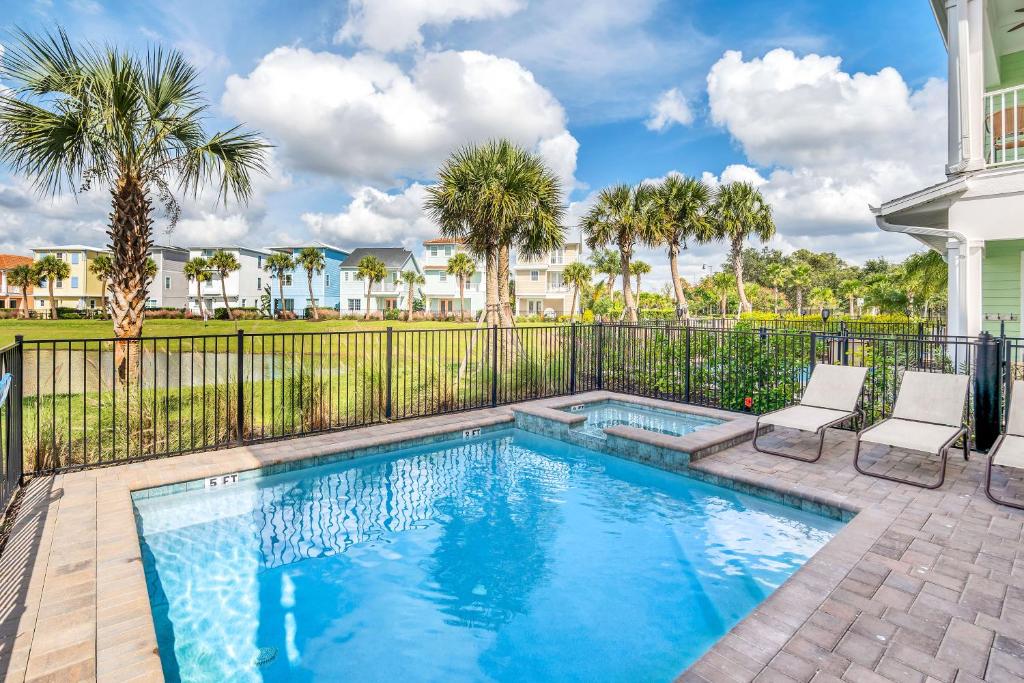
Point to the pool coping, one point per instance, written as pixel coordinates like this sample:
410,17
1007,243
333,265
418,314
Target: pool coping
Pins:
85,611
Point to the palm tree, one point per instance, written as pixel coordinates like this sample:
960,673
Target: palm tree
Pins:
577,275
24,277
493,197
102,266
775,274
636,269
740,212
74,117
411,278
822,298
371,269
51,268
224,263
620,217
461,267
313,261
852,289
800,279
925,273
606,262
679,211
722,285
279,265
198,270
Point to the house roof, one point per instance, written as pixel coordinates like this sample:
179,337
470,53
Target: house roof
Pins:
315,243
393,257
69,247
442,240
8,261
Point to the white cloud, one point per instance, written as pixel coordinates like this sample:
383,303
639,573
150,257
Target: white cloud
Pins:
375,217
388,25
366,120
208,228
832,142
670,109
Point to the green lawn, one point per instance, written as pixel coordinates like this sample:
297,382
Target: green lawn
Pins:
91,329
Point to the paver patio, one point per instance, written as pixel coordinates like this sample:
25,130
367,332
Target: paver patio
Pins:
919,586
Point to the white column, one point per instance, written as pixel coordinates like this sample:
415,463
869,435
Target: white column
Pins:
966,20
971,288
954,321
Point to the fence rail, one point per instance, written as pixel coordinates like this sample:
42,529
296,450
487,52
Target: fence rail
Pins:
11,459
922,328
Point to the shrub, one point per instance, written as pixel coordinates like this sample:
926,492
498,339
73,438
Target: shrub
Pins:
393,314
588,317
166,313
286,315
376,315
325,314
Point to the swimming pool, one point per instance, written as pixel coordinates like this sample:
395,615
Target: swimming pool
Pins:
603,414
508,557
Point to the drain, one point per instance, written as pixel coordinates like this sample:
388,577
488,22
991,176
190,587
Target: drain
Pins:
266,655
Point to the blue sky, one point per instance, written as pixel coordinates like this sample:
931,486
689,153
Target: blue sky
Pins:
362,99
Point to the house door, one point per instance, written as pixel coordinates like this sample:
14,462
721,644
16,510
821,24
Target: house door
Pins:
446,306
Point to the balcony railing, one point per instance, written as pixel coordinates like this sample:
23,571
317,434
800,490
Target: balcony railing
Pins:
1004,126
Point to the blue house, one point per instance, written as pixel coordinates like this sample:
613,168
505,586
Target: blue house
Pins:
326,289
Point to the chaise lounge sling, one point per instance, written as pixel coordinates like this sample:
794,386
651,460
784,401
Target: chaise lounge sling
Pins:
830,399
1008,450
928,417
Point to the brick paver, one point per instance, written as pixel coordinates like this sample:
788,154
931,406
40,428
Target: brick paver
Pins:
919,586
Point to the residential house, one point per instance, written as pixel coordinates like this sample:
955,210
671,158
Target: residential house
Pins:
169,288
244,286
389,294
540,288
973,218
82,290
326,284
10,296
442,290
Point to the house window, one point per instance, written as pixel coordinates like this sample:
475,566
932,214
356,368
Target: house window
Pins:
60,255
557,256
355,304
327,279
346,275
74,258
59,284
74,282
442,276
555,280
289,304
288,280
259,262
433,251
448,250
534,275
394,277
259,283
167,282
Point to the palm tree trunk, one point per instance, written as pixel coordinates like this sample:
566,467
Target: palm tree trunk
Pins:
462,298
505,312
638,290
737,267
408,305
103,296
852,313
775,291
677,284
610,284
312,301
280,294
130,235
723,305
572,311
799,301
369,287
492,288
627,292
53,301
199,298
224,295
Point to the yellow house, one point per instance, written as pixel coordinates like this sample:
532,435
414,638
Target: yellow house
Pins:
81,290
540,288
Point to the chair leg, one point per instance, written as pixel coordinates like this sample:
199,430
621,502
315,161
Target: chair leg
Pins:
988,483
781,454
942,475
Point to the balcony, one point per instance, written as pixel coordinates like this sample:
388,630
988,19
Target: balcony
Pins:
1004,126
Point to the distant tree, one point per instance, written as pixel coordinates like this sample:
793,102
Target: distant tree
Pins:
411,278
606,262
926,274
620,217
800,279
102,266
462,268
24,278
313,262
775,275
198,270
51,268
638,269
741,212
576,275
851,289
679,212
822,298
224,263
721,285
279,264
373,270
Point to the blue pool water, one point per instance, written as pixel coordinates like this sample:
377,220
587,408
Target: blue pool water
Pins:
609,413
510,557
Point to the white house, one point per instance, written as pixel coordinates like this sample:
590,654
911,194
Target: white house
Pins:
540,288
169,288
244,286
442,290
391,293
975,218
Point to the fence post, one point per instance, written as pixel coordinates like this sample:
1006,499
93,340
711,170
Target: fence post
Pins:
388,375
986,392
572,359
239,388
494,365
600,355
686,369
814,345
17,436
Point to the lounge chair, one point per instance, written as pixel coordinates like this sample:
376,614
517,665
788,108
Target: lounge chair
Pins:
830,399
928,417
1008,450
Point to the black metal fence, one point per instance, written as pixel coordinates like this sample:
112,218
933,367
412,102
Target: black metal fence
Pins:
92,402
920,328
11,459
